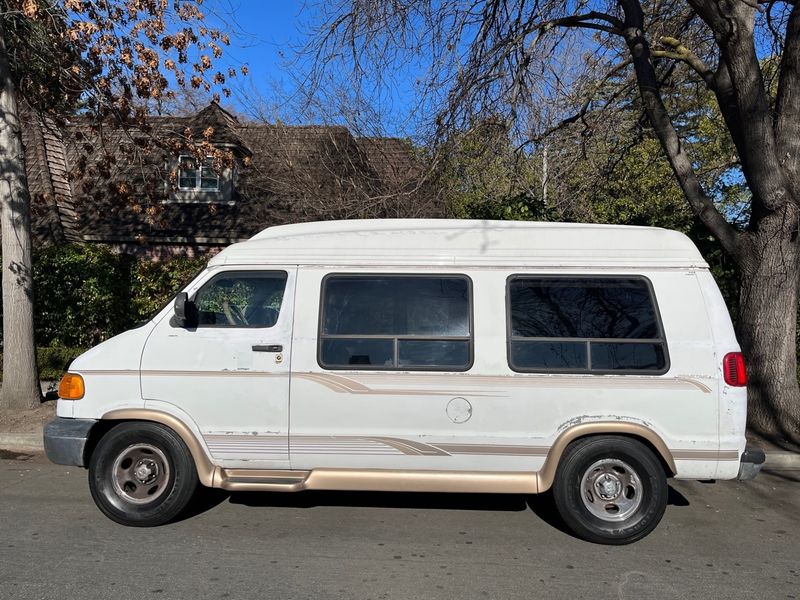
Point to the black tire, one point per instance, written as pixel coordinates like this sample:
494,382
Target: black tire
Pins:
142,474
625,511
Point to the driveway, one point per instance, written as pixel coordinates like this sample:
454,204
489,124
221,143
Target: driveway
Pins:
723,540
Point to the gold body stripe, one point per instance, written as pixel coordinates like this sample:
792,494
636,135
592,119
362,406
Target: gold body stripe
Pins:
397,384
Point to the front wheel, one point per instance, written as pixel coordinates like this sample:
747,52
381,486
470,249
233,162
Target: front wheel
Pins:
610,490
142,474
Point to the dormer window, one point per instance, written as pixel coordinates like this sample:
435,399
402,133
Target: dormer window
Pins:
195,176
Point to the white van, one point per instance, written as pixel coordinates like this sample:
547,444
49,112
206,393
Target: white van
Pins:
422,355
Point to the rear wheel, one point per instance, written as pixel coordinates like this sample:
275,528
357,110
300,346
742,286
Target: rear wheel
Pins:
610,490
142,474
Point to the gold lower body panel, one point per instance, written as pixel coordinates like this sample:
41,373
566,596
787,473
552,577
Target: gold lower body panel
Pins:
376,480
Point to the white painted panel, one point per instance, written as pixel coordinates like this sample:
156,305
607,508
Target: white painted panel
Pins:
508,409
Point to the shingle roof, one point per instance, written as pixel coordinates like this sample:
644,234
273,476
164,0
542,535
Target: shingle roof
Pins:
285,174
54,214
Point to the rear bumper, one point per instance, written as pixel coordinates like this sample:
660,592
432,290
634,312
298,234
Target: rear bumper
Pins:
65,440
750,463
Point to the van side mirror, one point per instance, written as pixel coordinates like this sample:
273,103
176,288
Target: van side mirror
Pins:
185,311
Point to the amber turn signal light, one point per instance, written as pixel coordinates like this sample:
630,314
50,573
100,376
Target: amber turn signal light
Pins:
71,387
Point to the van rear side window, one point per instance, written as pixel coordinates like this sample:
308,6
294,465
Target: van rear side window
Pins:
396,322
584,324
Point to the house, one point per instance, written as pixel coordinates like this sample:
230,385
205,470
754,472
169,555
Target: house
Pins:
95,183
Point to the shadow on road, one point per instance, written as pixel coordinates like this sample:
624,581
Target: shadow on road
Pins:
541,505
793,476
10,455
675,498
544,507
204,500
310,499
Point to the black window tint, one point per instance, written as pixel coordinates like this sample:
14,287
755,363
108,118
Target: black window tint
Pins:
241,299
570,323
431,306
582,308
550,355
432,353
357,352
396,322
607,356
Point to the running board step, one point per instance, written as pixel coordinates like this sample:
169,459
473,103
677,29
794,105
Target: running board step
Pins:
376,480
242,480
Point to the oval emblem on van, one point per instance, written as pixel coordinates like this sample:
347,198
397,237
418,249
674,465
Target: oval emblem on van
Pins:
459,410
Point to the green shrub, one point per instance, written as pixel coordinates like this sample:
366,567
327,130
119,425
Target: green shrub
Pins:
53,362
85,294
82,294
154,283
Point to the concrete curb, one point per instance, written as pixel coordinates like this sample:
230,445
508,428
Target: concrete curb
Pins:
777,460
21,441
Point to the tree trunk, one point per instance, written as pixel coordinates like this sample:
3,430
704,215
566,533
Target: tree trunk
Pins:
20,387
767,327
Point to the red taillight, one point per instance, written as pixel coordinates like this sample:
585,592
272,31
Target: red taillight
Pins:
733,369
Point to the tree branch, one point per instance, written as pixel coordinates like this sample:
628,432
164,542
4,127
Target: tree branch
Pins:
584,107
661,122
787,106
585,21
682,53
733,26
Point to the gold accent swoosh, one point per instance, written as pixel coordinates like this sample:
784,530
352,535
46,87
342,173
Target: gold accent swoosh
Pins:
495,449
399,384
349,385
410,447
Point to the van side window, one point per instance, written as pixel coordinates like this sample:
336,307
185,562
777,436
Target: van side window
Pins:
406,322
584,324
241,299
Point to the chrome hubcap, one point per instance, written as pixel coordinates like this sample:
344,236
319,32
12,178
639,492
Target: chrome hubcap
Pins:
611,490
140,473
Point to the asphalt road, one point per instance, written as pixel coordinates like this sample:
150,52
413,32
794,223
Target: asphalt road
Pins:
723,540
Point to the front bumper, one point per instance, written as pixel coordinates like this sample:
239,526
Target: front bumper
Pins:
65,440
751,462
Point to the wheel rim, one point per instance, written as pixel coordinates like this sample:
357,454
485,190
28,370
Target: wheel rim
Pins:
140,473
611,490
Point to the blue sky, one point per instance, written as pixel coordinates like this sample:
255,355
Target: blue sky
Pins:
265,34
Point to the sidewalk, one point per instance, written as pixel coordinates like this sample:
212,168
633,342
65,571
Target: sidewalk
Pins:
777,458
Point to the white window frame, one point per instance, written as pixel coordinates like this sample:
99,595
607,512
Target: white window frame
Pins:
198,175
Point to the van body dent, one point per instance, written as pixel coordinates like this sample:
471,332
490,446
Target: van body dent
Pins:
422,355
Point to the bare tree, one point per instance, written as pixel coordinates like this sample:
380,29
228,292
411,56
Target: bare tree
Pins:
533,62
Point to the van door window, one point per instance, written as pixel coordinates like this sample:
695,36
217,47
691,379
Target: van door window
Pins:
241,299
414,322
584,324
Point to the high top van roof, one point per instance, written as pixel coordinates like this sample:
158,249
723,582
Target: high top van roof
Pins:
456,242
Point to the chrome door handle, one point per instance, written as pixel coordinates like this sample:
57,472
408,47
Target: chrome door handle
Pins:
268,348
